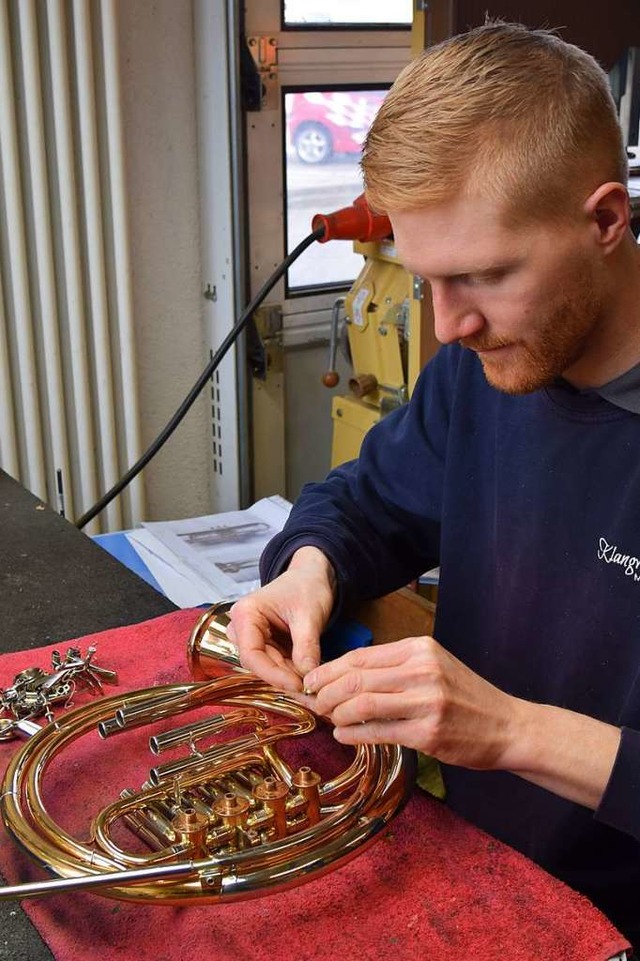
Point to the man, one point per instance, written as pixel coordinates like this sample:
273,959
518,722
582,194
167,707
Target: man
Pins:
516,465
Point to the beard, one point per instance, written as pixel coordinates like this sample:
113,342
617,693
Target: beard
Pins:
556,342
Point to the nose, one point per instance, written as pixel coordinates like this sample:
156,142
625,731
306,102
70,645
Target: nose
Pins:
455,313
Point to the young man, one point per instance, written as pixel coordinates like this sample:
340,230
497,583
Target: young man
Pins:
498,158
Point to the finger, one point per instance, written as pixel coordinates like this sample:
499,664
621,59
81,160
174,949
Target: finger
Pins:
376,732
305,700
357,683
277,656
251,624
378,656
305,639
252,633
272,668
370,706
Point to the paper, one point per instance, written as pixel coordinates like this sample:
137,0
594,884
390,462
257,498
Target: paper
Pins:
177,581
210,558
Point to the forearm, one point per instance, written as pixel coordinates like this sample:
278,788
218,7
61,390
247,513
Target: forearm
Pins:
567,753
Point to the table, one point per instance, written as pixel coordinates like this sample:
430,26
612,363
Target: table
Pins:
56,584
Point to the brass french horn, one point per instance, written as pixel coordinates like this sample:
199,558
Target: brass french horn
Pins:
229,821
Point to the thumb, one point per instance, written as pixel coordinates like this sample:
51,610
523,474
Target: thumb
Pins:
305,652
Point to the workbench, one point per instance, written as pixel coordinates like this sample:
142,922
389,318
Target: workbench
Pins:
56,584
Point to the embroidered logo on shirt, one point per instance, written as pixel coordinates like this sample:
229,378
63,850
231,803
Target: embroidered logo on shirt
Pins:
610,554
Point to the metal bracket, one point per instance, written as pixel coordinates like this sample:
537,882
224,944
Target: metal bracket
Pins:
265,348
418,288
264,51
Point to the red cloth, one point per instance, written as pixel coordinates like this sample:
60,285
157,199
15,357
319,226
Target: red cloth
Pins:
433,887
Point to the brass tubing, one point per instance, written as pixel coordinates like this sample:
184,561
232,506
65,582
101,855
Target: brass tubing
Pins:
155,796
40,834
200,762
136,825
213,725
108,727
253,882
326,838
204,760
36,889
130,716
231,783
194,800
355,805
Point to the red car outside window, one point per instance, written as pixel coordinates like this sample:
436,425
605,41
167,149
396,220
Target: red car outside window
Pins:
321,124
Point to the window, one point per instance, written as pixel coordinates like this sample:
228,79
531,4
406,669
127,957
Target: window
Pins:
341,13
324,133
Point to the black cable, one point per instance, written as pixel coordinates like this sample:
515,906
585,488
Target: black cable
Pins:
201,382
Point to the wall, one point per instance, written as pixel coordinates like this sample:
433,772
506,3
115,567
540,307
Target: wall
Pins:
159,117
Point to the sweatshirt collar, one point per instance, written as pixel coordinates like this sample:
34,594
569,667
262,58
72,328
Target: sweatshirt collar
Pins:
624,391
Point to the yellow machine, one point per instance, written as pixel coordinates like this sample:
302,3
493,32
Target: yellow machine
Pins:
388,313
389,325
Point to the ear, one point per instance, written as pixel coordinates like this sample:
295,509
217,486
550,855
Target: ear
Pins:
608,210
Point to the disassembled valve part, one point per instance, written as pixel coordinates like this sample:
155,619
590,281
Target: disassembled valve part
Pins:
34,691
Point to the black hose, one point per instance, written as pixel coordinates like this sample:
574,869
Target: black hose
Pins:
201,382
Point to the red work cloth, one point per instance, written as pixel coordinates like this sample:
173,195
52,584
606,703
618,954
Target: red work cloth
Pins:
433,887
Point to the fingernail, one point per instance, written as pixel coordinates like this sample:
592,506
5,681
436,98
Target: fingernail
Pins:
309,683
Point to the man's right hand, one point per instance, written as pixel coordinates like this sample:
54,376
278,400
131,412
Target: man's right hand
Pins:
277,629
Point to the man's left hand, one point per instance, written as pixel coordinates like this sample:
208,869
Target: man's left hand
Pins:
414,692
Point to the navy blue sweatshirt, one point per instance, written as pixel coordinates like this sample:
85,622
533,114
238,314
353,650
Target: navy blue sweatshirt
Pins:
531,506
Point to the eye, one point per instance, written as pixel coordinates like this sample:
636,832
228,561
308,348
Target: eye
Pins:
486,278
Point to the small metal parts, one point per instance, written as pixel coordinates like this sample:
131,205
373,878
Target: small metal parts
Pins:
34,691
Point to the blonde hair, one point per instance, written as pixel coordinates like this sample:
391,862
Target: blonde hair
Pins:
517,114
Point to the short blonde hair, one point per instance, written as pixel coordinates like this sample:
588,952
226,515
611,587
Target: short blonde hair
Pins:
515,113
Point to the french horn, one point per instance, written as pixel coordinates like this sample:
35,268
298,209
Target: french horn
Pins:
221,822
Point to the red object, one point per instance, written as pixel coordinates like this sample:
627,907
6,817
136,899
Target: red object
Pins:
356,222
321,123
433,887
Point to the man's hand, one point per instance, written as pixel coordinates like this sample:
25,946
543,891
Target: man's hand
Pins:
414,692
277,629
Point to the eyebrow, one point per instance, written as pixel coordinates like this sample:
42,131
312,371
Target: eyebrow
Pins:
475,270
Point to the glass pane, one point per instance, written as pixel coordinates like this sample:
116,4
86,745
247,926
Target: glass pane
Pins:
329,13
325,130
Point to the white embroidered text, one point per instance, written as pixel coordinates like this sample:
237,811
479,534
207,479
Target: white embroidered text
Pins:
610,554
